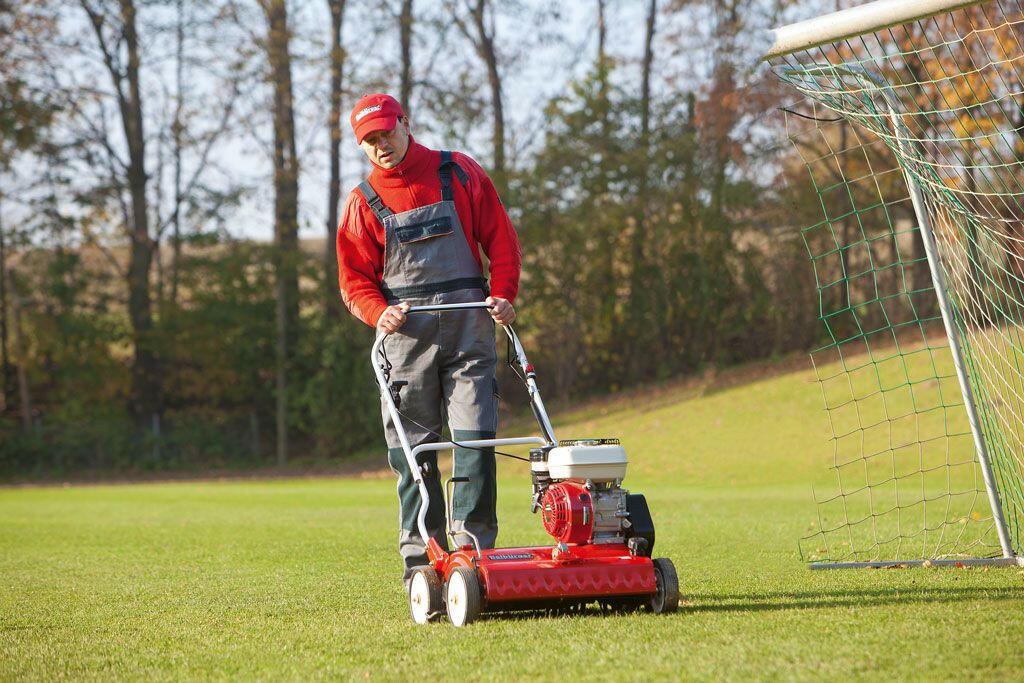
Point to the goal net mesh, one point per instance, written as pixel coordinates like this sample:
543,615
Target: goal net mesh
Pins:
939,101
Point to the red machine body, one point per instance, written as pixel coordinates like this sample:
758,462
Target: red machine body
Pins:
527,578
590,561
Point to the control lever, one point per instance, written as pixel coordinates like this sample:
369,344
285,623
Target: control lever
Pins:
395,387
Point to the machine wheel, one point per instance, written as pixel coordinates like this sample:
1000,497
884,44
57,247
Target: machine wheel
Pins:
425,595
462,596
666,600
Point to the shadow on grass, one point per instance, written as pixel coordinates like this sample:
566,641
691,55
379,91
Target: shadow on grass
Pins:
769,602
590,612
848,598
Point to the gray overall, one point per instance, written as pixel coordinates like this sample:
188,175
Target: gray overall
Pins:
448,360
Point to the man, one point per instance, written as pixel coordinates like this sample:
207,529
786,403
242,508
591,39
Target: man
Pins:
412,234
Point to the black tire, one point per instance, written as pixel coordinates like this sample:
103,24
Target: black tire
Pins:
463,597
666,600
425,603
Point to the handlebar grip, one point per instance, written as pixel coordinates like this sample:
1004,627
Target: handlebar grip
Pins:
447,307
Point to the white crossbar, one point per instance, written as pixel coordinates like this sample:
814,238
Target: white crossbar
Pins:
855,21
480,443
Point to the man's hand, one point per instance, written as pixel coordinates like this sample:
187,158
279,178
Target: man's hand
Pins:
392,318
501,310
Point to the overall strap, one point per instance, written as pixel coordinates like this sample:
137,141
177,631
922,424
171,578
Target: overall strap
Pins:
374,201
445,173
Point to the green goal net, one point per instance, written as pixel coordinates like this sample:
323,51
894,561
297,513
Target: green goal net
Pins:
913,139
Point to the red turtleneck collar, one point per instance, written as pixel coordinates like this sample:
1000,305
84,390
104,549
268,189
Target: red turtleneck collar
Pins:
418,160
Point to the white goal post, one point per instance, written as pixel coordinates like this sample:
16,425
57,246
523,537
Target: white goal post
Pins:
934,86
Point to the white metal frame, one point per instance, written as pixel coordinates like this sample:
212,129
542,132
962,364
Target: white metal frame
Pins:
855,21
537,404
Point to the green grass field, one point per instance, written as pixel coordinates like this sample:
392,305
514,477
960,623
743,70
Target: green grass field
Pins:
297,579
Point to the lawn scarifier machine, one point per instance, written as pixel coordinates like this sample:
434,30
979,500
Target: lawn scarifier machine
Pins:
604,534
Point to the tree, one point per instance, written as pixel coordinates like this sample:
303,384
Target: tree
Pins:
110,139
337,62
478,26
575,205
286,205
405,20
24,393
116,33
24,116
639,294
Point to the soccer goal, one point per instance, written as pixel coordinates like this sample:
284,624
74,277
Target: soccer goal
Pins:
910,126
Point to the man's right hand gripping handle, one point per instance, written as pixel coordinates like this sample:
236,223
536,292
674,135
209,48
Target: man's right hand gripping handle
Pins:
392,318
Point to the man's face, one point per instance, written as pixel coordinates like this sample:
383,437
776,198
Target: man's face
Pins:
387,148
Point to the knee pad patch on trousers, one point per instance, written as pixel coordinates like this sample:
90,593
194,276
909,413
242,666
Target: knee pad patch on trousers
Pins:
475,500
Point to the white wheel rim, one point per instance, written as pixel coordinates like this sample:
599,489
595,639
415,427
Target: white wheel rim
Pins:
419,598
458,599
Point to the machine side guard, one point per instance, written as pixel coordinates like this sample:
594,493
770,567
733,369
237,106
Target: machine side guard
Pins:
641,526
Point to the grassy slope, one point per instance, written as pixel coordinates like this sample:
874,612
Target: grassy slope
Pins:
298,578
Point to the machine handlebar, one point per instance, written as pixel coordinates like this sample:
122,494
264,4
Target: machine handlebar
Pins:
518,356
447,307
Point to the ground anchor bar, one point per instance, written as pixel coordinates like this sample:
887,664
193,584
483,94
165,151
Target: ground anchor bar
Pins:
965,562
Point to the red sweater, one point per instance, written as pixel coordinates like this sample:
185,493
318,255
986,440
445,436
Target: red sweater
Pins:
414,183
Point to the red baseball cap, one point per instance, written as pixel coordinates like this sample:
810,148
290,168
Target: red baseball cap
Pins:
374,112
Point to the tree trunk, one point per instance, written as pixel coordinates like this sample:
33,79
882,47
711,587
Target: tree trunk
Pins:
405,37
145,378
332,307
24,393
921,276
608,299
145,397
145,390
645,82
286,193
484,42
6,360
177,128
638,292
602,73
845,236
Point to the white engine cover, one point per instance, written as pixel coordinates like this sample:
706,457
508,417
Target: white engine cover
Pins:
600,464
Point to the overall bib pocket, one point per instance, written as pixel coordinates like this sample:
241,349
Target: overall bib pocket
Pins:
437,226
